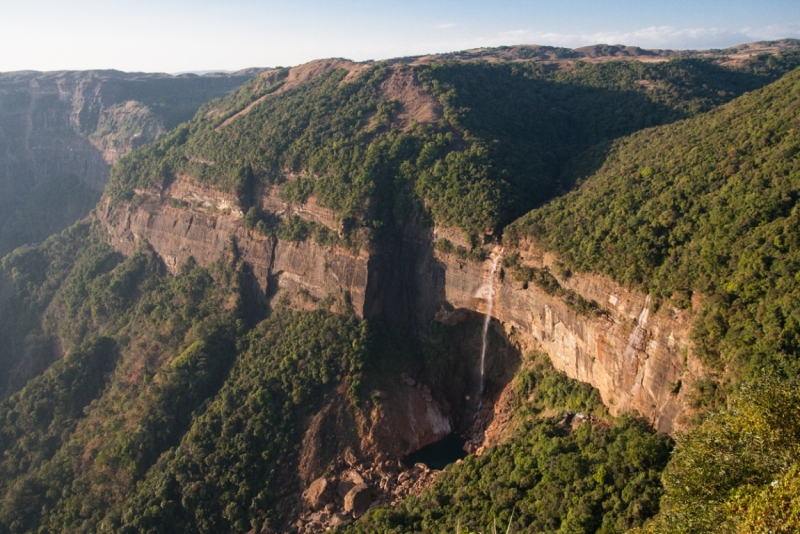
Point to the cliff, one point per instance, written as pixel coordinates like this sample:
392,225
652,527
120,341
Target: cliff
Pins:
636,358
200,222
58,124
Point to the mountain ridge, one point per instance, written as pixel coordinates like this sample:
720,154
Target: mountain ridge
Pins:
295,301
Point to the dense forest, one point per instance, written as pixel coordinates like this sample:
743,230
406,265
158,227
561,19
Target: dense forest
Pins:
511,136
140,395
704,206
549,477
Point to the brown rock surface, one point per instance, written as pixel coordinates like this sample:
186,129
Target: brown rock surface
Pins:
635,358
357,500
318,494
632,357
203,232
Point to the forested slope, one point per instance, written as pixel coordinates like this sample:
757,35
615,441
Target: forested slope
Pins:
707,206
703,213
512,135
555,473
136,400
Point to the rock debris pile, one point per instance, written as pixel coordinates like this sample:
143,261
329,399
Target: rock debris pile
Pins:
331,500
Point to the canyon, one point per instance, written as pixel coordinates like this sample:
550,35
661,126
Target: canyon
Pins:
638,358
375,260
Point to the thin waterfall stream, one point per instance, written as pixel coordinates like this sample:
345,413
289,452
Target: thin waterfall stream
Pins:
486,320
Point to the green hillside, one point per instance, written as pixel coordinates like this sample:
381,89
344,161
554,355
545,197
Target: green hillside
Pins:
706,206
512,136
141,400
548,477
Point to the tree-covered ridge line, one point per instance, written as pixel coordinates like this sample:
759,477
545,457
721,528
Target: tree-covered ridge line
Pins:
171,411
513,136
708,206
563,58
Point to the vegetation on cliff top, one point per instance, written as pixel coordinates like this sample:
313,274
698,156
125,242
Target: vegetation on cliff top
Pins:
171,411
706,206
511,137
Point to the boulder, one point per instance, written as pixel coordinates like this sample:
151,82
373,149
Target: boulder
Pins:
318,494
357,500
344,488
353,476
350,457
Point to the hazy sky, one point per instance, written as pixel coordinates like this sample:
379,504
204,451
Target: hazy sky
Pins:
191,35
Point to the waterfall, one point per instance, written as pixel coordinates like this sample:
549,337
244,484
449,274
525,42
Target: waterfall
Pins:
488,318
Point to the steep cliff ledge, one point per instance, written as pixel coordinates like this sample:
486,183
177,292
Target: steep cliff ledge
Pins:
186,220
59,128
636,357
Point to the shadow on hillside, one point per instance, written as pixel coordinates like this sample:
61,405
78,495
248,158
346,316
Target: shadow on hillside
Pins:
543,135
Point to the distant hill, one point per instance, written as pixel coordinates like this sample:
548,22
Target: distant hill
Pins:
56,127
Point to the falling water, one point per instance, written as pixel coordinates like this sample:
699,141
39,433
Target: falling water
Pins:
489,302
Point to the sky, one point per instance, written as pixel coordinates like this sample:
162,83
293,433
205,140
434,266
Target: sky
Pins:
200,35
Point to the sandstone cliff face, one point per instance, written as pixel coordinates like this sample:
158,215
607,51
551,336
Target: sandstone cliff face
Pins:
637,359
187,220
395,422
204,222
83,121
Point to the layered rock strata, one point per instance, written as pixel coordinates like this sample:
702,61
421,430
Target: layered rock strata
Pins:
200,223
637,359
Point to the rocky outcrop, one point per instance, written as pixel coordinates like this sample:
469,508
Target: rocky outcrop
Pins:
59,127
357,500
404,420
359,488
204,227
318,494
390,424
80,122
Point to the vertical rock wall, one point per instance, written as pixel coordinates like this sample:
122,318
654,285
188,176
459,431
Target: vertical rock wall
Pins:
637,359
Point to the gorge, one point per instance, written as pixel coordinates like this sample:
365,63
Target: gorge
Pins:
543,252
